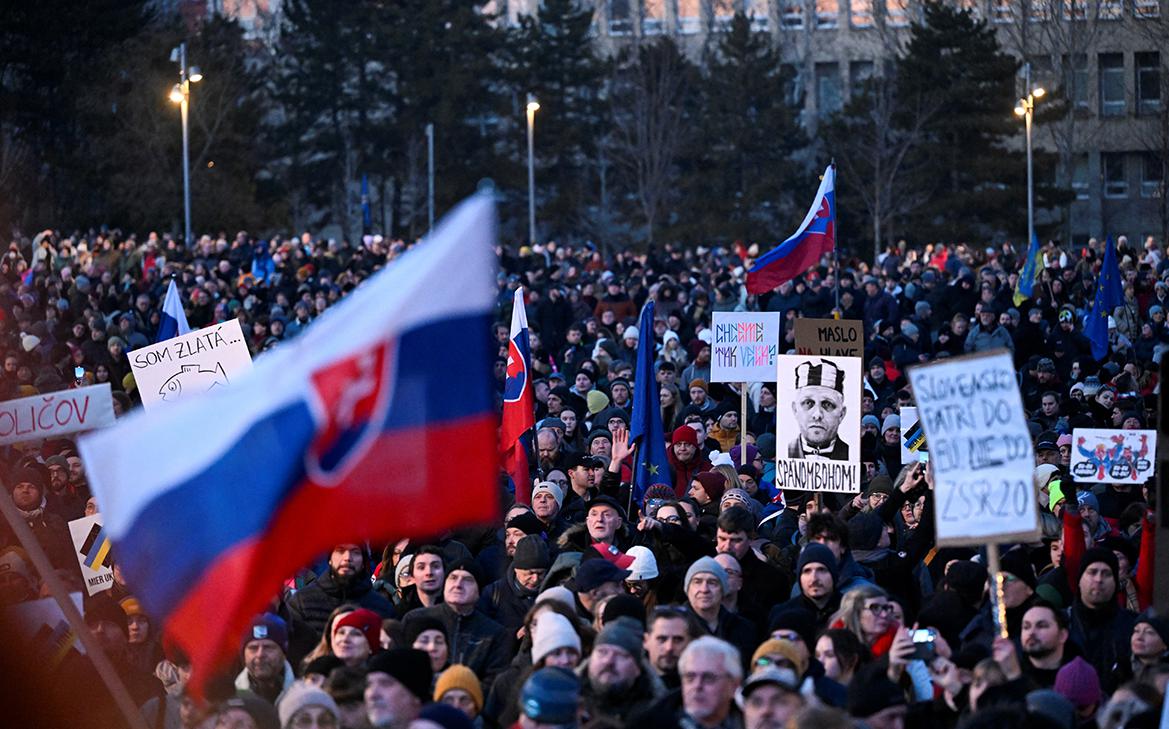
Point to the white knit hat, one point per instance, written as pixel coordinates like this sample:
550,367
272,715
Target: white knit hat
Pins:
645,564
551,487
552,631
298,696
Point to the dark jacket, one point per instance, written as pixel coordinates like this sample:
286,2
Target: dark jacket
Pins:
475,640
308,609
1103,636
506,602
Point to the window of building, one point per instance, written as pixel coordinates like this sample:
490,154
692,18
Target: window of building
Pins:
793,14
1110,9
897,13
1002,11
1075,9
793,85
1111,70
1080,177
653,17
689,16
1152,176
862,13
1146,8
1148,82
827,13
1075,69
1040,10
1115,179
760,15
828,92
858,73
620,20
974,7
722,13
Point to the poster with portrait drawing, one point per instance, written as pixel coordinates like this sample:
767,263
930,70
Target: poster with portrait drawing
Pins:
817,429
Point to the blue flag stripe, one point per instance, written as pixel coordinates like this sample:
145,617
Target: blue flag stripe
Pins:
645,428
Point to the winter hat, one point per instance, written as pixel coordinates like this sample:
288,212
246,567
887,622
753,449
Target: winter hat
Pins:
1158,623
365,620
872,420
684,434
551,696
27,475
29,342
15,560
1042,474
300,695
1088,499
322,665
816,553
527,522
612,554
468,565
410,667
707,565
131,606
720,459
552,488
891,421
531,553
909,329
766,445
596,401
445,716
459,676
1053,707
659,491
864,530
871,692
593,573
1078,683
403,567
599,433
553,631
1099,554
881,484
699,383
737,454
558,594
737,494
713,483
626,606
645,563
1018,564
625,633
267,627
416,626
263,714
784,648
799,620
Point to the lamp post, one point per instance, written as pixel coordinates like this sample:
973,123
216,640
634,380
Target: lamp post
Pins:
532,107
181,95
1026,109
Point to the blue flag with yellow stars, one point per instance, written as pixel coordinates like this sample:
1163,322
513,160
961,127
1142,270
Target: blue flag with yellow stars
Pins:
1109,295
645,427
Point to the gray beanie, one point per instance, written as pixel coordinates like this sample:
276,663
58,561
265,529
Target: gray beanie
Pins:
623,632
298,696
708,564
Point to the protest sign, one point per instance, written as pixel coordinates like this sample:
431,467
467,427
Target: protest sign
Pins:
1113,456
744,346
92,547
830,337
56,413
913,445
41,630
980,449
190,365
818,402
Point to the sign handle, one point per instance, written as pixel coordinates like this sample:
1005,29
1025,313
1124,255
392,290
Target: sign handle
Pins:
743,424
996,574
57,589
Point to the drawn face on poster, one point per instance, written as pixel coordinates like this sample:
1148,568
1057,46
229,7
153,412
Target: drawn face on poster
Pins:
819,421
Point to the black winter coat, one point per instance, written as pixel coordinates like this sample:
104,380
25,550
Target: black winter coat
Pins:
308,609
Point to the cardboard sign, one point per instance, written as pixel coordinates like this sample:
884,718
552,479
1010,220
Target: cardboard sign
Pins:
92,547
830,337
818,440
744,346
913,442
190,365
980,449
56,413
1113,456
42,630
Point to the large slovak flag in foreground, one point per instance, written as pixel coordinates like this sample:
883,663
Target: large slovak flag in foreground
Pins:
377,423
815,237
519,409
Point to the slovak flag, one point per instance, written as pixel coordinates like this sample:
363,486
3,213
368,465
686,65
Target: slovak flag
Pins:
377,423
815,237
172,320
519,411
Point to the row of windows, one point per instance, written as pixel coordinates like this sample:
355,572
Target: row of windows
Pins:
826,14
1119,171
1113,93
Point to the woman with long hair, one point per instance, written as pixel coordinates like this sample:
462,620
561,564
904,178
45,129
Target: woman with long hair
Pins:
324,645
867,613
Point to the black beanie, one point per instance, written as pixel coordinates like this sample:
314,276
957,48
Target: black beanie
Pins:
1100,554
814,552
1018,564
409,666
469,566
799,620
531,553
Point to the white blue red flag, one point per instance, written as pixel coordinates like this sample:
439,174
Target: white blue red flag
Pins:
173,320
378,422
519,410
815,237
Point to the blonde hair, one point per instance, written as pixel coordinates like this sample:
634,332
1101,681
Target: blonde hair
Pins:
324,646
851,607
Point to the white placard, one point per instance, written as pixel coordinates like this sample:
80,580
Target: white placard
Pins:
980,449
744,346
92,549
818,440
42,628
1102,455
56,413
913,443
190,365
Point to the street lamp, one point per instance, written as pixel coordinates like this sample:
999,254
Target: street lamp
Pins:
532,107
181,95
1026,109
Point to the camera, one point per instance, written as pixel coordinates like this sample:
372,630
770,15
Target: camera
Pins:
923,644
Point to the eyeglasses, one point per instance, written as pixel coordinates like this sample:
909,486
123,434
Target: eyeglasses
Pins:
765,661
880,609
304,720
706,679
675,519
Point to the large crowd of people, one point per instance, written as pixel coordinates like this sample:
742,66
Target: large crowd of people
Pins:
723,601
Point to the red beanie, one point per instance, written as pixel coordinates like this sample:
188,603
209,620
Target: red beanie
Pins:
684,434
713,483
368,622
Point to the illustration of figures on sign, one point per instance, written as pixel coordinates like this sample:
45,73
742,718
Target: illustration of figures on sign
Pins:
193,379
1101,455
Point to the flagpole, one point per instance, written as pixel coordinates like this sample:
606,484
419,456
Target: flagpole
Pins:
837,314
743,425
93,649
629,503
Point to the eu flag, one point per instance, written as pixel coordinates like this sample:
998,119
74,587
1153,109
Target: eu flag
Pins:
1109,295
645,427
1026,286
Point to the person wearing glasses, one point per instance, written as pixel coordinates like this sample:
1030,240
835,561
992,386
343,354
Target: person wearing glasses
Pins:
710,670
868,613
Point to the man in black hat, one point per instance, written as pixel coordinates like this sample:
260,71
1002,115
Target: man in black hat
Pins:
396,687
596,579
508,599
819,410
581,486
1096,623
988,334
769,698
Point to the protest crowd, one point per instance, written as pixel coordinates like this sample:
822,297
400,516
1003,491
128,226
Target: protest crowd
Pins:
723,601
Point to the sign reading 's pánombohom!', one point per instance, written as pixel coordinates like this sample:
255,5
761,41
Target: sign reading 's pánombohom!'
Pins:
818,404
744,346
190,365
980,449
